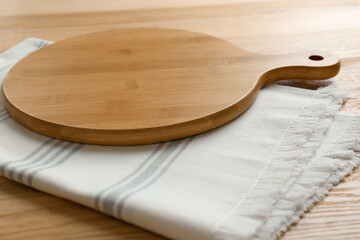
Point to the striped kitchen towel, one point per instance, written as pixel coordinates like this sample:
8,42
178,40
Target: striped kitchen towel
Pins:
249,179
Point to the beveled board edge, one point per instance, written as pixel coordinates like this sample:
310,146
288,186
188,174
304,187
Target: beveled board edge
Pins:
136,136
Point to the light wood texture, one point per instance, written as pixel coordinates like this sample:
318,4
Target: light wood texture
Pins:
145,85
266,26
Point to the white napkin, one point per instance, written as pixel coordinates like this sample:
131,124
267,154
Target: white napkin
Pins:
249,179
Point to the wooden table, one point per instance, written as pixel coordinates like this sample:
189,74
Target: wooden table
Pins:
266,26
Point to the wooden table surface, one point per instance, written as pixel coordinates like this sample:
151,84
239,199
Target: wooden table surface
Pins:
266,26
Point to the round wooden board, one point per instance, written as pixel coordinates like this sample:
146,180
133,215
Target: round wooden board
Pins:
137,86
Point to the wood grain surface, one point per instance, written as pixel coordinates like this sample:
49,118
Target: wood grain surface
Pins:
145,85
267,26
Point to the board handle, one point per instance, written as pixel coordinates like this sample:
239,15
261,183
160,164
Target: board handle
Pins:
311,65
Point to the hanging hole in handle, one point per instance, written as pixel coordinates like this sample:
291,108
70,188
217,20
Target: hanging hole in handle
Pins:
316,57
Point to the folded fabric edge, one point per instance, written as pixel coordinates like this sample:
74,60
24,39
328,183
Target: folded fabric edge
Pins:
22,49
332,166
298,145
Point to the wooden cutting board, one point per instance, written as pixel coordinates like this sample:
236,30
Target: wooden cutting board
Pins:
147,85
